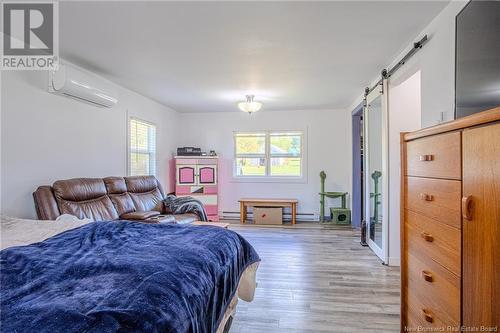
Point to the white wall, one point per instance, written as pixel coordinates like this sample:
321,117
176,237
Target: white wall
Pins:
436,62
404,116
46,137
328,149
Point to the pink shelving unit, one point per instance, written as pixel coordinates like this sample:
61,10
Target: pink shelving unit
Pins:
197,177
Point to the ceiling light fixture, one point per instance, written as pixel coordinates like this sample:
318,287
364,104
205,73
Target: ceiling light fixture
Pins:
250,105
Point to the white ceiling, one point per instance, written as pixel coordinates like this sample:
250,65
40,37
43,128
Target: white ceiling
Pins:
205,56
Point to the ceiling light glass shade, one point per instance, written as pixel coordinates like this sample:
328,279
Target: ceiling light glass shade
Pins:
250,105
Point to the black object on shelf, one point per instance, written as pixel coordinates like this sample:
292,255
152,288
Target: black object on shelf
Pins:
188,151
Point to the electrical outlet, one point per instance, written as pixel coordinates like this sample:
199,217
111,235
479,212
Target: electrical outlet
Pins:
445,116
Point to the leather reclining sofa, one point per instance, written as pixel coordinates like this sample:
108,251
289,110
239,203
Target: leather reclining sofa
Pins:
103,199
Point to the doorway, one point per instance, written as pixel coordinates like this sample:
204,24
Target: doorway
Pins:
404,116
357,175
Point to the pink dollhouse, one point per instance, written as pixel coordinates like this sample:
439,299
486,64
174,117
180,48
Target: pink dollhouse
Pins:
196,176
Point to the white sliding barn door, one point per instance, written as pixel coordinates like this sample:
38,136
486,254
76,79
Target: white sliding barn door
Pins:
376,170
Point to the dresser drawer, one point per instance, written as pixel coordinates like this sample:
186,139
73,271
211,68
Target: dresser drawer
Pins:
430,239
438,156
421,314
439,199
435,286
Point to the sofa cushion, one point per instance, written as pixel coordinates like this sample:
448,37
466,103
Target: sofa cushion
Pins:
152,200
99,209
79,189
141,184
139,215
123,203
115,185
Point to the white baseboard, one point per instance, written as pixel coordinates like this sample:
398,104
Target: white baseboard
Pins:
394,261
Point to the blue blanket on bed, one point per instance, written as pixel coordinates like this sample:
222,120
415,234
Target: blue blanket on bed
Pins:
123,277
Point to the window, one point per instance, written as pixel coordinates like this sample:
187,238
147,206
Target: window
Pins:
142,148
268,154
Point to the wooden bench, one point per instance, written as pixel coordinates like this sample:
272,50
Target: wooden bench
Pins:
244,203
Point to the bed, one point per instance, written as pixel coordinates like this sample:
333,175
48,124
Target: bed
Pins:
122,276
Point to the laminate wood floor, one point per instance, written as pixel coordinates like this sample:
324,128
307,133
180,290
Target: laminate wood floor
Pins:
317,280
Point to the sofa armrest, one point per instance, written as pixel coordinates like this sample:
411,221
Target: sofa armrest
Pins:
45,203
139,215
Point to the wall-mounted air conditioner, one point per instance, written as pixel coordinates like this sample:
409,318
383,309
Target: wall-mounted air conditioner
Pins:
77,84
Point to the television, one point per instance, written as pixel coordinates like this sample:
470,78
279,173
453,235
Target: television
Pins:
477,58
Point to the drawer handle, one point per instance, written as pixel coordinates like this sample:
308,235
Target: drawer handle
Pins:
426,197
427,316
426,158
427,276
467,208
426,236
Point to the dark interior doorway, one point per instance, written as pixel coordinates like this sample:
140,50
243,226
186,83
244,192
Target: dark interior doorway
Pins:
357,165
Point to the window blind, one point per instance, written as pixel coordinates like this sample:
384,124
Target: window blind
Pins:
142,148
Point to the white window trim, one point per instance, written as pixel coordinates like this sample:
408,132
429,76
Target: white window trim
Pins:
268,178
129,150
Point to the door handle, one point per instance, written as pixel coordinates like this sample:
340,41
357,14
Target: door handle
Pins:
427,276
426,197
467,207
428,237
426,158
427,315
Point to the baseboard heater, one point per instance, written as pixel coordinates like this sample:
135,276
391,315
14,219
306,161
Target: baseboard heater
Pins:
287,217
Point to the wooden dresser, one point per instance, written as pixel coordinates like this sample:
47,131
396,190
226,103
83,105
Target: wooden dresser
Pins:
450,225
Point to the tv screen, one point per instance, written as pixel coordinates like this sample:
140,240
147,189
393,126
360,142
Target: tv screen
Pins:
477,71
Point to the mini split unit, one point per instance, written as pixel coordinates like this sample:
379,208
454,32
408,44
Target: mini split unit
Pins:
71,82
